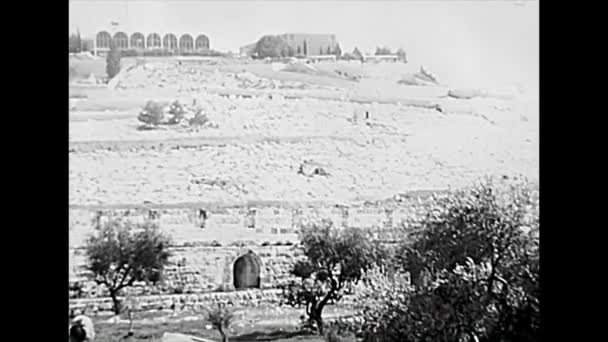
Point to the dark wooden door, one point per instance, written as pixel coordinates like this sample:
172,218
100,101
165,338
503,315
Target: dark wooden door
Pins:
246,272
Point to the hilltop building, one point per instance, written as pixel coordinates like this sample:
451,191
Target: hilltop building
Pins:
184,42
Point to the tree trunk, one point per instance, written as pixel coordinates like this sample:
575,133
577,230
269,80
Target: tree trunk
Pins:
316,316
115,302
224,337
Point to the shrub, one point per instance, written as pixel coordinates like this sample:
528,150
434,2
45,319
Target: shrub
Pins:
113,61
479,250
335,259
221,318
383,51
333,335
152,113
199,119
402,55
177,112
120,254
357,54
129,53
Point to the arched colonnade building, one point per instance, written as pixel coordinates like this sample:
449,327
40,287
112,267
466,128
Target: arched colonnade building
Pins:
140,41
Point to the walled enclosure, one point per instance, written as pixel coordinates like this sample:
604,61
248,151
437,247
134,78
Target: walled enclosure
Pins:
208,240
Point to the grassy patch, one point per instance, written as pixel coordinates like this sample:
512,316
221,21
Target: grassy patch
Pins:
110,332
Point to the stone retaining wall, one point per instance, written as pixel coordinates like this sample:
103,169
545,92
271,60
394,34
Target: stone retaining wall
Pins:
207,240
195,302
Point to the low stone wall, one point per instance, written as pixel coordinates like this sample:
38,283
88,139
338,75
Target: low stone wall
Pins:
194,302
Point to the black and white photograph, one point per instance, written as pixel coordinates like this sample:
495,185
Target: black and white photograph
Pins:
310,171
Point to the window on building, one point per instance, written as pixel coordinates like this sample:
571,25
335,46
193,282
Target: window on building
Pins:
186,42
121,40
103,40
202,42
153,40
170,41
137,41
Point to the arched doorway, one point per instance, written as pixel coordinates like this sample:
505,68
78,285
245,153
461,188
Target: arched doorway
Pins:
247,272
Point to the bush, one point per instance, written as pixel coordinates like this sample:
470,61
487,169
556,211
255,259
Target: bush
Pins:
357,54
221,318
383,51
129,53
402,55
152,113
199,119
334,335
479,250
113,62
119,254
177,112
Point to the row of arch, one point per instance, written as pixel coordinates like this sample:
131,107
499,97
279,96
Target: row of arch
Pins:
153,40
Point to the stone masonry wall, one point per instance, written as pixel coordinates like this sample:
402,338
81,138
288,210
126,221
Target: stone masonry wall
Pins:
207,240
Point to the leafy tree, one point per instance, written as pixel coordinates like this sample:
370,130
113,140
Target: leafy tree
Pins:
272,46
113,61
337,51
221,318
336,258
472,223
479,249
75,42
119,254
383,51
402,55
357,54
87,44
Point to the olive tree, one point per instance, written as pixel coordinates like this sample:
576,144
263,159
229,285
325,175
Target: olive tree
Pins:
479,251
120,253
221,318
335,258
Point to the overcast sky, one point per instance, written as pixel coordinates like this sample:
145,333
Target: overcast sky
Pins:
481,42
